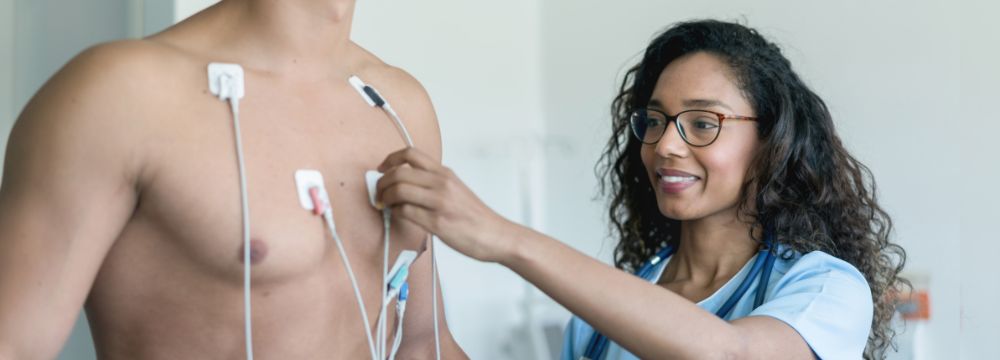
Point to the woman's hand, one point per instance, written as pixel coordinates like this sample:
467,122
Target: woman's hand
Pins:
430,195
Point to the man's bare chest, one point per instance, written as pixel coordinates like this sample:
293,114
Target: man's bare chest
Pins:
191,190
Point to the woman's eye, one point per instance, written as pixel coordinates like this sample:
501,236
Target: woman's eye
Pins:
705,124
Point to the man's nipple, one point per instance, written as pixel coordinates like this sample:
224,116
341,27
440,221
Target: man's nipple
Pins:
258,251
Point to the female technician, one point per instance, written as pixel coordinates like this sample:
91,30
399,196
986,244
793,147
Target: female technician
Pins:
746,229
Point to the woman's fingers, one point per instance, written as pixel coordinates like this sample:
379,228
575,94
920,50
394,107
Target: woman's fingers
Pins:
417,215
405,175
421,191
402,193
411,156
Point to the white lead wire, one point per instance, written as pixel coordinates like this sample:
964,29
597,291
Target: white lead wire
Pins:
399,123
234,106
398,338
386,221
434,295
386,214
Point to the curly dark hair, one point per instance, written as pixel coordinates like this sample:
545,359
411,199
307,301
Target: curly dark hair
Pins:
802,183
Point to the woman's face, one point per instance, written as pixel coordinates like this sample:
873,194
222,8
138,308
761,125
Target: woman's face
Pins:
693,183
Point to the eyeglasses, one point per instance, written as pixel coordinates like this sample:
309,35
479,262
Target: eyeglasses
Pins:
698,128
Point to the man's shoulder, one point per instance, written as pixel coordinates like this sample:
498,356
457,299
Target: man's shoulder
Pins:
374,70
120,71
407,96
123,60
98,93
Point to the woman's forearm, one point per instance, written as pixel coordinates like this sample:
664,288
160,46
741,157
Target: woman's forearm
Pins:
648,320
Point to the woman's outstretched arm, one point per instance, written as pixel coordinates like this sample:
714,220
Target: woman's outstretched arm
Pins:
647,320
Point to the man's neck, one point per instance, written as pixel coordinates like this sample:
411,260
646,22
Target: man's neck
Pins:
279,36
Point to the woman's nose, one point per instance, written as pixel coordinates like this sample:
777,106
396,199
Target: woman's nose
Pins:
671,143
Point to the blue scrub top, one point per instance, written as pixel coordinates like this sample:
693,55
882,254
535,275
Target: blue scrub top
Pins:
825,299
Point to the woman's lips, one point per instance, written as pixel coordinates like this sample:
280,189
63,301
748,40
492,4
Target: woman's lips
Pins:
675,181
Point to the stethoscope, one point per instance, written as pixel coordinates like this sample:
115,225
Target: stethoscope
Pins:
762,267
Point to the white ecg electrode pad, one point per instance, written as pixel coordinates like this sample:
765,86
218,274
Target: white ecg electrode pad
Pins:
371,179
306,179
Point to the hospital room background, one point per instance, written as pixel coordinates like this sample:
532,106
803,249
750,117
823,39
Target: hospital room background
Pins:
522,90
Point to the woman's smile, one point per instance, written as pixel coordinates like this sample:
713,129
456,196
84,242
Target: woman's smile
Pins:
671,181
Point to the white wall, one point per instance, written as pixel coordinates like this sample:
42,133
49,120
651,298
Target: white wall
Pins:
6,75
185,8
980,289
156,15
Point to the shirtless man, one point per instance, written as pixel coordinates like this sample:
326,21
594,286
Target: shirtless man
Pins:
121,192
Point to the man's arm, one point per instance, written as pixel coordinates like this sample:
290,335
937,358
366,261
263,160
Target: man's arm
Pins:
68,190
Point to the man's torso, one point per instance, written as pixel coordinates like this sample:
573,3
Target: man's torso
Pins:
172,284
